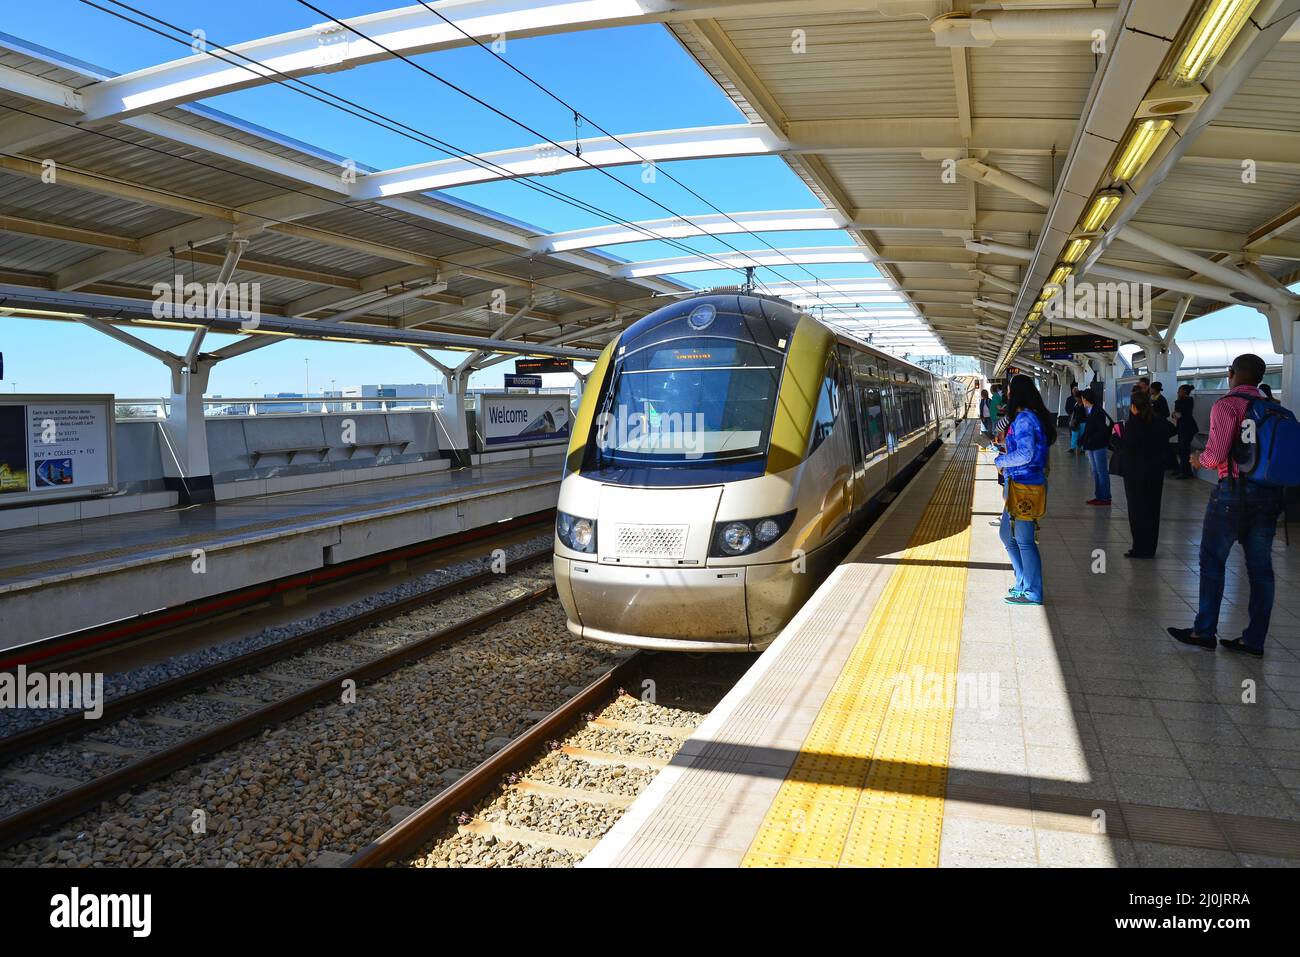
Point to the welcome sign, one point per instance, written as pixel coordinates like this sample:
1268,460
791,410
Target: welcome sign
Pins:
507,420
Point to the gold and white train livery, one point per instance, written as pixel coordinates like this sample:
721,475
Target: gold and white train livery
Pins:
726,450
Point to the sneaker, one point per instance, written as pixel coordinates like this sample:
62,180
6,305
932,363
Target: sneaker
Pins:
1237,645
1188,637
1020,600
1099,501
1012,592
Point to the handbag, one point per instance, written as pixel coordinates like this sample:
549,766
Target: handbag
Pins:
1119,456
1026,502
1118,463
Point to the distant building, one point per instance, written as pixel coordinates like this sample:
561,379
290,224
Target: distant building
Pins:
387,396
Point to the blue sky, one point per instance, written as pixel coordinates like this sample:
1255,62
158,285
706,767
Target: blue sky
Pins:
627,80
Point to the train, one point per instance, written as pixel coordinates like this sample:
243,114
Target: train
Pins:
727,451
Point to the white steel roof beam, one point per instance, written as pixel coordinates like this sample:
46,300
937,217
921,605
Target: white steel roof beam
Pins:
688,226
408,31
740,139
797,255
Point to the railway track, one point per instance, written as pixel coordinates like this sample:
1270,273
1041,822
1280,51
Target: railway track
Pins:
349,660
68,727
547,797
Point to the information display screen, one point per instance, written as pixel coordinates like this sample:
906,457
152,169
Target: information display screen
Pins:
1063,347
539,366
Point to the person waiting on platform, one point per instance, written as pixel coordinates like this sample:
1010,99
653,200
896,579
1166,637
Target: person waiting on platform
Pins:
1239,510
1074,416
1030,436
1185,423
996,404
1159,404
986,421
1095,441
1160,408
1143,446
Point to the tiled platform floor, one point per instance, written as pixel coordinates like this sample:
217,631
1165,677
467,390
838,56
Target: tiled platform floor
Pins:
1084,735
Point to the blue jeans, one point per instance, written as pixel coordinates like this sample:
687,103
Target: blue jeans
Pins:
1076,434
1018,540
1100,473
1252,521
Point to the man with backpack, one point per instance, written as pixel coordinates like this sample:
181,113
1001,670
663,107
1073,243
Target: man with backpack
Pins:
1255,447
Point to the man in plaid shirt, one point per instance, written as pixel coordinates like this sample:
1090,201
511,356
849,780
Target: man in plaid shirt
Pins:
1239,511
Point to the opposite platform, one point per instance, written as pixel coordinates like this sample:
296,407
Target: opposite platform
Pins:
55,579
907,716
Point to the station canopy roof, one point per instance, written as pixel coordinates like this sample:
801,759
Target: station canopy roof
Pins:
962,146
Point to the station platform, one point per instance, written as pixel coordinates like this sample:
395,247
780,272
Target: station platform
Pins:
908,717
61,578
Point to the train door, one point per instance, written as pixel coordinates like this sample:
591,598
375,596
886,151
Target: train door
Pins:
853,420
830,465
891,417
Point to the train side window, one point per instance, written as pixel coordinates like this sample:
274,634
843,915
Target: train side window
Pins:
828,407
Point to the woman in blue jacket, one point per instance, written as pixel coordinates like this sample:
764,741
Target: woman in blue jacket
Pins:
1029,437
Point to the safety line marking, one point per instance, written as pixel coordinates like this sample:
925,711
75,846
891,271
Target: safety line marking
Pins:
867,789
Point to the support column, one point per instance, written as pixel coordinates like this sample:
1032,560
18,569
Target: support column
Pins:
1164,365
186,468
579,386
1284,325
1110,365
455,418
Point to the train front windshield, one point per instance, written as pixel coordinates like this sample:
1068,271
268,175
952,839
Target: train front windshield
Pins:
691,399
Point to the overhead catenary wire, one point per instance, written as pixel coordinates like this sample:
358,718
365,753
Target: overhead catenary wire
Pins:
426,139
579,116
346,105
576,154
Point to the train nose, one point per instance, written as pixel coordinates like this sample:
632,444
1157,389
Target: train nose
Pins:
656,528
649,585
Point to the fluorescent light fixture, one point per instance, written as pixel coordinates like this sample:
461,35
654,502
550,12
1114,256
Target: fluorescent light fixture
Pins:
19,312
1142,143
1075,250
1214,29
1100,211
1059,275
164,323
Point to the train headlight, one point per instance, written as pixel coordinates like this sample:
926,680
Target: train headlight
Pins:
576,533
745,537
736,538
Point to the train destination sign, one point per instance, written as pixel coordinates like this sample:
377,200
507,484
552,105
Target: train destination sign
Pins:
1063,347
539,366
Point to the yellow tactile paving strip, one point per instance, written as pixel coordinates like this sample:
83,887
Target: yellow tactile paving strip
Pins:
867,789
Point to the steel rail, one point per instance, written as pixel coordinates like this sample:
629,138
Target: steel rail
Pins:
70,803
414,832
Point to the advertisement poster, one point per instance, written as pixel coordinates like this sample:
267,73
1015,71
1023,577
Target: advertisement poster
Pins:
54,446
13,449
524,419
